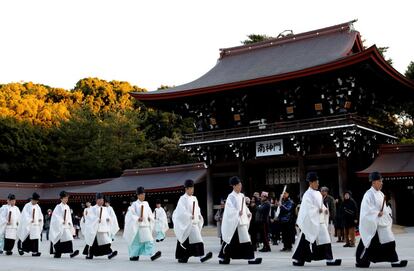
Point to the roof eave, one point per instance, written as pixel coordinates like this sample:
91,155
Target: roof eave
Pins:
370,53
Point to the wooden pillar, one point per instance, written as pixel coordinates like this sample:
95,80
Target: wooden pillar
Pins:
210,202
302,175
342,175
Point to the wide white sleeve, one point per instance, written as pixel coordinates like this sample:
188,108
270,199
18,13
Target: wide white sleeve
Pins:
368,218
182,220
56,224
231,218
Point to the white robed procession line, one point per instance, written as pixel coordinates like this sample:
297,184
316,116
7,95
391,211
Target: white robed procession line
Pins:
313,223
370,223
61,226
139,210
187,220
98,225
235,216
161,221
9,221
31,222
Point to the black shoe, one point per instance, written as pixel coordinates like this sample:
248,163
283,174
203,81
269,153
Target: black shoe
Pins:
265,250
255,261
162,239
113,254
37,254
297,263
74,254
156,256
362,265
207,257
134,259
8,253
89,257
21,252
183,260
157,240
337,262
225,261
57,256
402,263
347,245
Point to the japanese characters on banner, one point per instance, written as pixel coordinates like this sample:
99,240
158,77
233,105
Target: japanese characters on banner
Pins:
269,147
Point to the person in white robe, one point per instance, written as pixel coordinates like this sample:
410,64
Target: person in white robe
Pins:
139,224
112,215
161,222
313,220
61,229
377,242
235,227
30,227
9,220
98,229
188,222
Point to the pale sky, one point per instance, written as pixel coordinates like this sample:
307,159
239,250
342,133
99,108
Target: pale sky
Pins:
154,42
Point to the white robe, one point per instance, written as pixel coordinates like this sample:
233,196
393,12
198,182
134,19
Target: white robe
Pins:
98,226
133,226
232,219
311,222
83,219
161,222
369,221
114,221
29,226
9,231
61,226
184,226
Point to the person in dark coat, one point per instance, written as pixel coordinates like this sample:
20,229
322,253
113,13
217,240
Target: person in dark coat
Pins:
46,225
349,212
253,222
274,223
262,217
329,202
287,221
338,222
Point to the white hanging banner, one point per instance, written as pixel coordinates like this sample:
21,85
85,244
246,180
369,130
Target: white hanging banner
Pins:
270,147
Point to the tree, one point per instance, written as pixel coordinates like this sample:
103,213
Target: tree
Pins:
409,73
253,38
382,51
95,130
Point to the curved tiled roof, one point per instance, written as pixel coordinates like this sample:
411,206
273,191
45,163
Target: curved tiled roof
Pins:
158,179
277,60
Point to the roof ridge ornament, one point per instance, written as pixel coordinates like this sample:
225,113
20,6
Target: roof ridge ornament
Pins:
284,38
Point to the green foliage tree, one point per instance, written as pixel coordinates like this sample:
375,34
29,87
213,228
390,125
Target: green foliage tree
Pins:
382,51
253,38
409,73
95,130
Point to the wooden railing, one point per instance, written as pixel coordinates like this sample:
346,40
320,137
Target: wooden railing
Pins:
276,127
